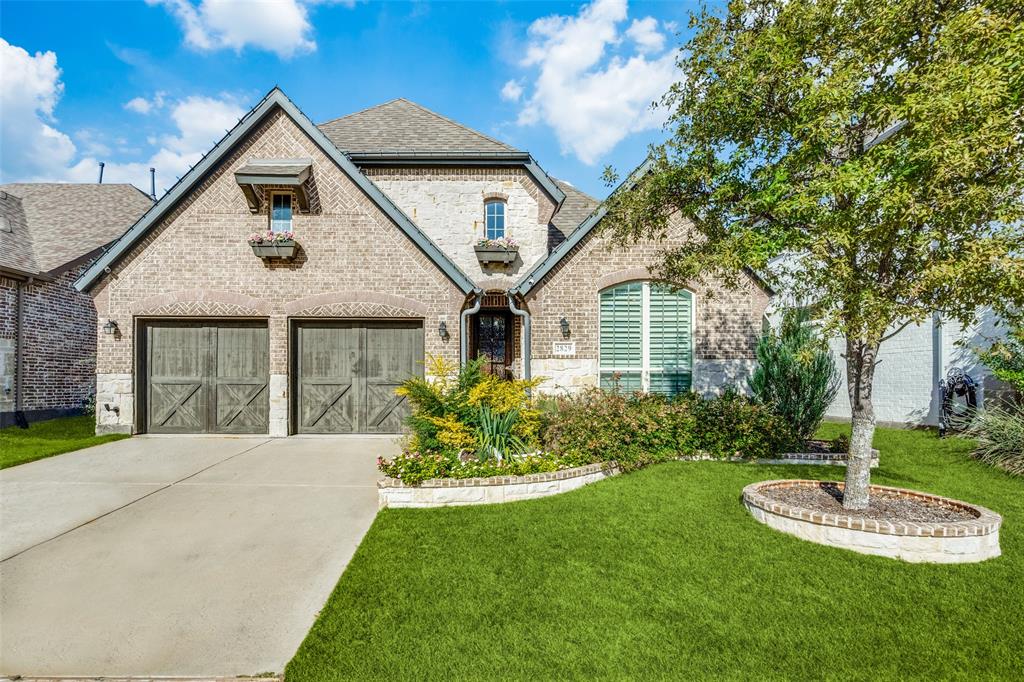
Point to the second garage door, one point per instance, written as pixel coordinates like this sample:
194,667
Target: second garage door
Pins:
347,372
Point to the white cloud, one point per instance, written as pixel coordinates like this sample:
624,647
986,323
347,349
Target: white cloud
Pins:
141,105
29,90
34,150
512,91
279,26
589,92
646,34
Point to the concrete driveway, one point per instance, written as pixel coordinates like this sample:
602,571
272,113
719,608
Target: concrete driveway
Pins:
185,555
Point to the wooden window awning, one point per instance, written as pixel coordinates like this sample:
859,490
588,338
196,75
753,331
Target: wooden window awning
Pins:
279,172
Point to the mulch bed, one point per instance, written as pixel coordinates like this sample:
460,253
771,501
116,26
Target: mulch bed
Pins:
821,447
883,506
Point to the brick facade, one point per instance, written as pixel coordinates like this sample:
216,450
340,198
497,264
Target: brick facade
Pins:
59,337
353,261
727,323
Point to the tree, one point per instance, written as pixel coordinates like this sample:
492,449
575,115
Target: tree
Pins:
1006,359
875,149
796,375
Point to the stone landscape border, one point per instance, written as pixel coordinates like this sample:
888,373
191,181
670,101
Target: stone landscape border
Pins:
453,492
967,541
837,459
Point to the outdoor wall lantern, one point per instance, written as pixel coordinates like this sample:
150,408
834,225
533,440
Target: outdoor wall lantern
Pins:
110,327
564,324
442,330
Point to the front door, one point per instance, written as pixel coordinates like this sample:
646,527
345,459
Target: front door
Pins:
492,331
347,372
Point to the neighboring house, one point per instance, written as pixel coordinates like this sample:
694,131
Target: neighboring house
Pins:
911,364
387,206
49,233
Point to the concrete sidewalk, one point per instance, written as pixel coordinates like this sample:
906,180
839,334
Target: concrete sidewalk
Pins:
197,556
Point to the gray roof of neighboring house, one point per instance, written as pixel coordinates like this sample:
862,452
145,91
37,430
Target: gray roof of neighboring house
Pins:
404,126
54,224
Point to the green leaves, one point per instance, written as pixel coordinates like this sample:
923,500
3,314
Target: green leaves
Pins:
775,103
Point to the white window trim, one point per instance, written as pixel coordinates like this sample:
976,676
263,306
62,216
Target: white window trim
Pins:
645,368
270,210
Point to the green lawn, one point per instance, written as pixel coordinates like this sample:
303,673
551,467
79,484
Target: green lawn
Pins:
44,439
662,574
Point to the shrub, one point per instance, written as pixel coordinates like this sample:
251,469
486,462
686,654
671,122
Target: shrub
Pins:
999,433
796,375
448,408
637,429
1006,359
416,467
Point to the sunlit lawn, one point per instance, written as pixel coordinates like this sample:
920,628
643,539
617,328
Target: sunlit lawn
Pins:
662,574
47,438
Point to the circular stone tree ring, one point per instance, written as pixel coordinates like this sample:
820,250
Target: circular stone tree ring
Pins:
973,539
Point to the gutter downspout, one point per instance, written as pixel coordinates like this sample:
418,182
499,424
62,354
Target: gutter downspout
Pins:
463,331
526,335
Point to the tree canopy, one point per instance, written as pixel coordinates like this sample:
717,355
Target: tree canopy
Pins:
879,144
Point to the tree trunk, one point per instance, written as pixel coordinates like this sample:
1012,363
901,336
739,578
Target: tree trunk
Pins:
860,375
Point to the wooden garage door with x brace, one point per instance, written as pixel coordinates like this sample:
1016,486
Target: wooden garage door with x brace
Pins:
206,377
346,374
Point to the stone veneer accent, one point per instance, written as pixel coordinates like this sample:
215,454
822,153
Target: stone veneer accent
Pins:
837,459
949,542
448,205
454,492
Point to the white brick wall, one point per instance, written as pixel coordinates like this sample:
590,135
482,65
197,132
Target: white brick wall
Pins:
451,212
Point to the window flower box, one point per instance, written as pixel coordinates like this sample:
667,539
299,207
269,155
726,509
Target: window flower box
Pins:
502,250
273,244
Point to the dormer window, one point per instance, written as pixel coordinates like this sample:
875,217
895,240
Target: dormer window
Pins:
281,212
494,212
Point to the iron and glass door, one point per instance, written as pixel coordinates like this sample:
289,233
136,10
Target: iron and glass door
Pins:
206,377
492,332
346,373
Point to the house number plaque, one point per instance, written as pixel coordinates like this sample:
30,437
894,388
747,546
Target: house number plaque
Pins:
564,348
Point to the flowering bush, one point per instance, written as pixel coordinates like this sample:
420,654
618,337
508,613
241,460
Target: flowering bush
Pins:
503,243
270,237
458,410
416,467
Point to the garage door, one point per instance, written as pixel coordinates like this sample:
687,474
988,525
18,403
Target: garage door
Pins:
347,373
206,377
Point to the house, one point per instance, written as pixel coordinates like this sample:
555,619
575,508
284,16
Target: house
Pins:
388,207
913,362
49,233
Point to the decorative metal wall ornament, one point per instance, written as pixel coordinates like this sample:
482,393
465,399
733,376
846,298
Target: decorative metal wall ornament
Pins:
956,384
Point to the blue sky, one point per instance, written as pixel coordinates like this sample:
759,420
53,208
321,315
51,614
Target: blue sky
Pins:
137,84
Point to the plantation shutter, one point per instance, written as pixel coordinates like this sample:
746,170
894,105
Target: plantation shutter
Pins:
671,341
621,339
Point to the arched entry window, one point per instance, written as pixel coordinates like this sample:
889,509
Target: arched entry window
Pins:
646,338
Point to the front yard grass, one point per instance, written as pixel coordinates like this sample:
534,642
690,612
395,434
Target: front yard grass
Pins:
662,574
48,438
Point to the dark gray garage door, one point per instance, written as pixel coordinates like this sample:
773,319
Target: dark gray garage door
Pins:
206,377
347,373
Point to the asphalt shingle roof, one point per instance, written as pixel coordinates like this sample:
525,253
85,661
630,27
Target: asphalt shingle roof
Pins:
574,210
401,126
61,222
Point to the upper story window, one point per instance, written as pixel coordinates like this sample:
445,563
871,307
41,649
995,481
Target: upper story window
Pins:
494,211
281,212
